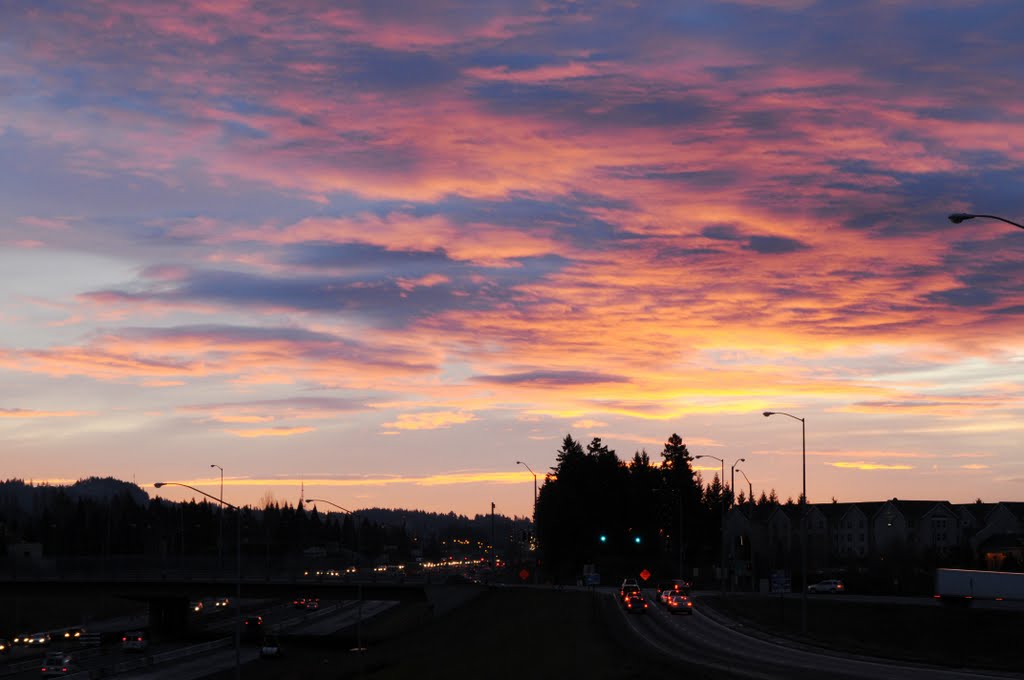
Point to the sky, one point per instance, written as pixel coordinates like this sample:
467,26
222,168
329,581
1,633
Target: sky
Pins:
378,252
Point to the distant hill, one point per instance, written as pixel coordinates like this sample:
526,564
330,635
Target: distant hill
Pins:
105,488
24,495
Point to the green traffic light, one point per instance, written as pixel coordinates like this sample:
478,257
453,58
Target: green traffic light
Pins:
604,538
636,539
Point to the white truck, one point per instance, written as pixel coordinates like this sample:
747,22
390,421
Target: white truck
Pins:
961,586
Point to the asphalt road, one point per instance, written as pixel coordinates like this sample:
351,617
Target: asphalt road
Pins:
723,646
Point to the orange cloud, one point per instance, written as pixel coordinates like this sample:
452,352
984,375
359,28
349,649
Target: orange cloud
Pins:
19,413
271,432
434,420
861,465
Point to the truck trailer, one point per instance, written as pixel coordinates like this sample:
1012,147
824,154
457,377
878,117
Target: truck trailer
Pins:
961,586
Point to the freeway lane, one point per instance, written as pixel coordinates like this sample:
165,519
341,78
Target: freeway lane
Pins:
703,641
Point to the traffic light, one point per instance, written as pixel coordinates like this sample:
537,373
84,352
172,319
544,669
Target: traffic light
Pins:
636,539
603,538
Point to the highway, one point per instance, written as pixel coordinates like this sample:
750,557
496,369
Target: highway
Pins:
182,661
720,645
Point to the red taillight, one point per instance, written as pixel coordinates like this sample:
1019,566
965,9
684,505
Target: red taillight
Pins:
124,639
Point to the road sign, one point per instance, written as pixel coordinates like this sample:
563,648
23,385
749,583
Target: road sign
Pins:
645,574
524,574
591,579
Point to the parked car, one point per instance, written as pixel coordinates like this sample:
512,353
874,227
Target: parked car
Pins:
831,586
677,603
134,641
56,664
271,647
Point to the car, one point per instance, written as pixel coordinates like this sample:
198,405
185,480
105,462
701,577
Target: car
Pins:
75,633
39,639
678,585
20,639
221,603
299,603
5,646
830,586
677,603
312,603
135,641
635,604
56,664
252,628
196,607
628,591
270,648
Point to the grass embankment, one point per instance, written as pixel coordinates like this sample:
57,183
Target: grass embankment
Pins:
503,633
958,637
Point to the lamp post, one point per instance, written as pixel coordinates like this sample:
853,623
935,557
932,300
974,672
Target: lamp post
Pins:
750,543
359,586
519,462
732,482
536,576
957,218
803,516
750,487
238,577
722,461
220,541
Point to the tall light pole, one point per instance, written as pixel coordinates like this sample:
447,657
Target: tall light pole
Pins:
732,481
238,577
220,542
803,517
957,218
359,586
750,543
519,462
722,478
750,486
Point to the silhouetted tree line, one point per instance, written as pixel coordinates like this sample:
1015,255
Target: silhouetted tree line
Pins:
624,517
110,518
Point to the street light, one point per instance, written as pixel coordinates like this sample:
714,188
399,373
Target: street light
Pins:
749,486
803,515
238,578
957,218
519,462
732,482
359,586
720,460
220,542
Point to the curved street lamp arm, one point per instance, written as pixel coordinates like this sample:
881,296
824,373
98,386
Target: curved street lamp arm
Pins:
782,413
957,218
208,495
322,500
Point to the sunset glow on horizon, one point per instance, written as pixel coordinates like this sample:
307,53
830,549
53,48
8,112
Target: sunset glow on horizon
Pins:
381,251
